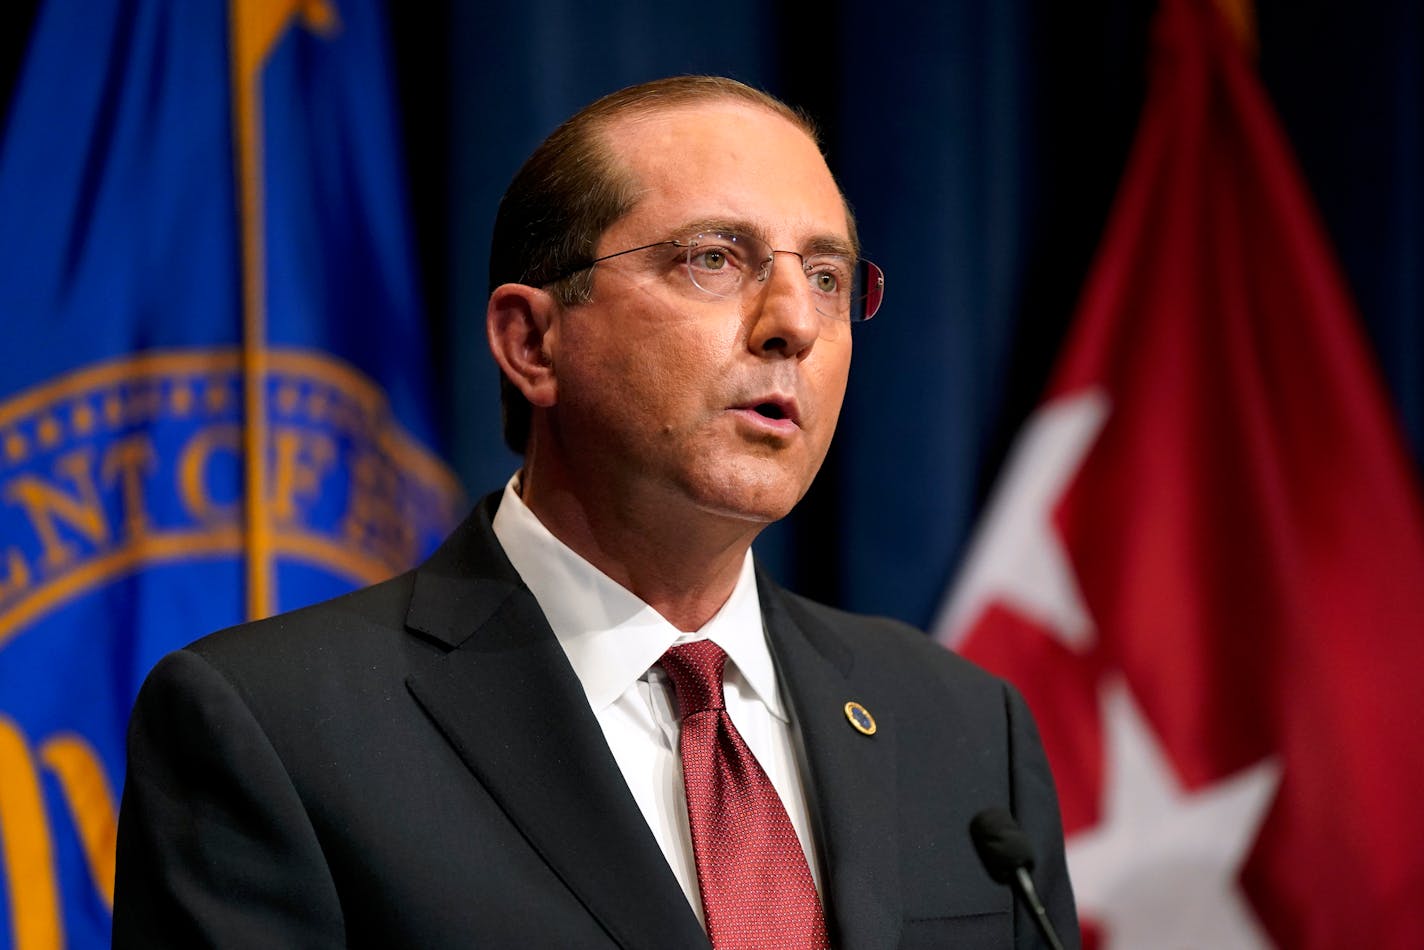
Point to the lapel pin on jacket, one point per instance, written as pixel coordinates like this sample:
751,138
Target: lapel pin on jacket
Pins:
860,718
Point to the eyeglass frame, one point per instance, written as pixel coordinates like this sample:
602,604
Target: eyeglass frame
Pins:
767,264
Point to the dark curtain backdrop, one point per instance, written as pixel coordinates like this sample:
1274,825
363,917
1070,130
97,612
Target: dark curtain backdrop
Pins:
980,142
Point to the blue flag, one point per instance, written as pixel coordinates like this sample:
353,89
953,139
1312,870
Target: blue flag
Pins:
213,381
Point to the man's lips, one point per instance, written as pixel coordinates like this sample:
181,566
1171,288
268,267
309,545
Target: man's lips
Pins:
774,413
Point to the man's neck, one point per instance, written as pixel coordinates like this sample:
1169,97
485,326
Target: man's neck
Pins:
683,565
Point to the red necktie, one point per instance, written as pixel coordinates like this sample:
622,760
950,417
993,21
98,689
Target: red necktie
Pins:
757,890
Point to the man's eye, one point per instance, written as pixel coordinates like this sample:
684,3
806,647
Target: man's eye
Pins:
828,275
711,258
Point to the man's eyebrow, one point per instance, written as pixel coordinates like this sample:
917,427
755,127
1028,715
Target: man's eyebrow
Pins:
820,244
724,225
830,244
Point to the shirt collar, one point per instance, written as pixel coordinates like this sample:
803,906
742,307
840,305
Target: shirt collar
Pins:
611,636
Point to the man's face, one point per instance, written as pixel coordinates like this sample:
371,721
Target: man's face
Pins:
668,400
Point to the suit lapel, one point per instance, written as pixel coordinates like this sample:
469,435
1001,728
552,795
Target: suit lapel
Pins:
851,776
508,701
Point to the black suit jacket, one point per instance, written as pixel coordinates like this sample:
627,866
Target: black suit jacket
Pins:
416,765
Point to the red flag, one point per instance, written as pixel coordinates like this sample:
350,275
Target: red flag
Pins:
1205,563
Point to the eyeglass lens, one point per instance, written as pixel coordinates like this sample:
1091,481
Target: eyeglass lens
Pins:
720,264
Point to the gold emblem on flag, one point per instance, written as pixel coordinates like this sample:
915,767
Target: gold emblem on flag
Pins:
135,461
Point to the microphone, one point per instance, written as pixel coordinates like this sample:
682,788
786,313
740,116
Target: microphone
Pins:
1007,855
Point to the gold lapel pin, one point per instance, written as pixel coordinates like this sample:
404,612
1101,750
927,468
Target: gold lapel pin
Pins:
860,718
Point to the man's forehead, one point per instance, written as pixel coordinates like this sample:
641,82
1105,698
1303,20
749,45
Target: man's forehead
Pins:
728,161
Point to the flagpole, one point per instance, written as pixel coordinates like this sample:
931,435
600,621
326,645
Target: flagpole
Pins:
250,46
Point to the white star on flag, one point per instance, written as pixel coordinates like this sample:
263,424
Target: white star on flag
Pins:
1161,869
1017,558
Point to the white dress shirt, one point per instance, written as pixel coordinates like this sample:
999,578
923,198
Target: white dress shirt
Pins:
613,640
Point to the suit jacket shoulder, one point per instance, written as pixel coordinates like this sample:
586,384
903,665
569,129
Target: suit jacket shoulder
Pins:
413,764
892,647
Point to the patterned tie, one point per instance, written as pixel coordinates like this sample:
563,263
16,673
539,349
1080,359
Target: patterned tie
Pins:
757,890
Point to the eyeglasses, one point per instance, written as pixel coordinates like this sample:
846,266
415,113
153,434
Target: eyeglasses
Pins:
726,264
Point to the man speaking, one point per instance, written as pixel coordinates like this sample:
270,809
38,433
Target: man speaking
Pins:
588,720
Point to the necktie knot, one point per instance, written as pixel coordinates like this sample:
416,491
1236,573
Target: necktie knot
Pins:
696,672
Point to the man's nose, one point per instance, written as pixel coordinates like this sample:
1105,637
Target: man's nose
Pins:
785,320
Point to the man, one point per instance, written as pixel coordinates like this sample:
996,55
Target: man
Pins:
530,741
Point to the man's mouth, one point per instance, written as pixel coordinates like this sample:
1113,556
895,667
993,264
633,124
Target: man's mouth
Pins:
779,414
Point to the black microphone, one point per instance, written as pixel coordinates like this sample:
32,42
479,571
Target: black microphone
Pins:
1008,857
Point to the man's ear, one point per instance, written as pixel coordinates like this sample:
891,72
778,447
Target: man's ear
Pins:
520,325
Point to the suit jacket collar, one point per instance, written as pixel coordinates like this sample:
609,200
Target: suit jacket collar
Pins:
507,700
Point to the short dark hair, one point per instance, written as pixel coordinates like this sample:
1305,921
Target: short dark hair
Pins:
572,188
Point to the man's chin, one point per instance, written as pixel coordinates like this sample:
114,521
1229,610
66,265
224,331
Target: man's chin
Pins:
743,497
